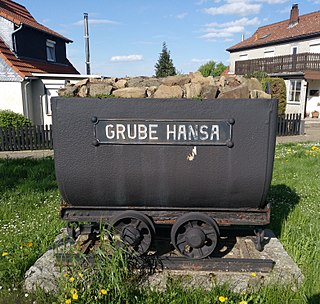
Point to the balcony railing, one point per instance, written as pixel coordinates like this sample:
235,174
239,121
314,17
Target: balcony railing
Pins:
279,64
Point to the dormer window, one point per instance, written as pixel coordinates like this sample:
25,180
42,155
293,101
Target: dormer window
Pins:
51,50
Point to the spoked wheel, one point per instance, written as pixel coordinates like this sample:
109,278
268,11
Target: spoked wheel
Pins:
195,235
135,229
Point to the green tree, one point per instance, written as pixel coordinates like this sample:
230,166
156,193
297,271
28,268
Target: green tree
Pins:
212,69
164,67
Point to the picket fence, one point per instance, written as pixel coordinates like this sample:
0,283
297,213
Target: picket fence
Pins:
40,137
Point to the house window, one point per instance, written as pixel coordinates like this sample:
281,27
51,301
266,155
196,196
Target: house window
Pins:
295,90
315,48
51,50
243,56
294,50
268,53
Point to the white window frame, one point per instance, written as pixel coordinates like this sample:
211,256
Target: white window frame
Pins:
51,50
293,91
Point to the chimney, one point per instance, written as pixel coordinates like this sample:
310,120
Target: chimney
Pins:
294,15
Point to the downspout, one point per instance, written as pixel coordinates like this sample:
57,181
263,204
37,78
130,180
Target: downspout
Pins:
28,81
14,45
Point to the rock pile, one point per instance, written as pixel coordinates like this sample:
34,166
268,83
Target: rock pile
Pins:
193,85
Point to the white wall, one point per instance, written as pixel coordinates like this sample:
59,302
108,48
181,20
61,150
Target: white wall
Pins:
313,101
11,97
6,29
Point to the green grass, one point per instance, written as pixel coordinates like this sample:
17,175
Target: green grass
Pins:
29,203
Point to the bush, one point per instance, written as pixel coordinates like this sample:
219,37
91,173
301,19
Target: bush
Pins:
11,119
260,75
277,90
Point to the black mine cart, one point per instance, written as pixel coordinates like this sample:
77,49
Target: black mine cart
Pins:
196,164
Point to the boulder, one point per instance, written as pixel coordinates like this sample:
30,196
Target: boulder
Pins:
209,92
193,90
165,91
259,94
68,90
241,91
82,82
100,89
142,82
130,92
151,91
83,91
253,84
179,80
121,83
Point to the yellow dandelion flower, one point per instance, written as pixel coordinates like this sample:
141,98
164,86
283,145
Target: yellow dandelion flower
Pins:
75,296
73,291
315,148
71,279
5,253
222,299
103,291
80,275
68,301
289,150
253,274
65,275
243,302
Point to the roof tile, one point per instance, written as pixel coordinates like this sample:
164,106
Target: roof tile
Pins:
20,15
309,25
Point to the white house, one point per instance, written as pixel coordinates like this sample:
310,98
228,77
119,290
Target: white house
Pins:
289,49
33,63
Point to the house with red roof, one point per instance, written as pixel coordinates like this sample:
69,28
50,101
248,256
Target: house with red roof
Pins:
289,49
33,63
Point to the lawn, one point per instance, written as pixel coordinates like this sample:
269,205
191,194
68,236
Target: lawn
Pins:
29,204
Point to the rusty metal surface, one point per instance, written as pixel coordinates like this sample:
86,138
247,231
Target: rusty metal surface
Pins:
233,176
224,217
182,263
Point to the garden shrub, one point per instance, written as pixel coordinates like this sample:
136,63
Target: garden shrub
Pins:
277,90
11,119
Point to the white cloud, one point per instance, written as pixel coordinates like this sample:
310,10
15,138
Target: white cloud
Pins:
181,16
126,58
273,1
240,22
197,60
227,29
216,35
96,21
235,7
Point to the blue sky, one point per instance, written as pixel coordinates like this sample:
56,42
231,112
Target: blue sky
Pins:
126,36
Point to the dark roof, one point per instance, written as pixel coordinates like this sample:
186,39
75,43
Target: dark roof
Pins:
18,14
25,67
308,26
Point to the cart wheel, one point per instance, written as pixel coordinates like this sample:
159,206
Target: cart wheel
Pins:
135,229
195,235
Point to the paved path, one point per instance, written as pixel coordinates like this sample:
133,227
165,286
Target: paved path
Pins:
312,134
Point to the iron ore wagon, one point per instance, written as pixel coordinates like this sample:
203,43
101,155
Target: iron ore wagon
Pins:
197,165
